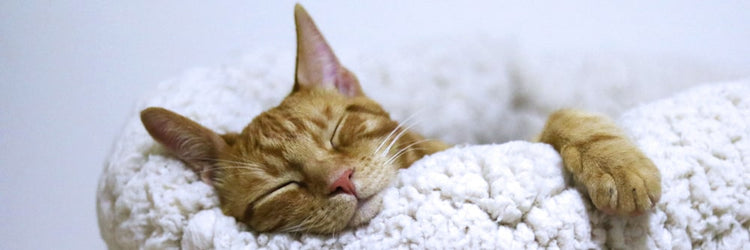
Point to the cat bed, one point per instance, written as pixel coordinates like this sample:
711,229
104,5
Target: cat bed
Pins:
476,195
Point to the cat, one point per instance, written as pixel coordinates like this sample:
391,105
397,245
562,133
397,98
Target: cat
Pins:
316,163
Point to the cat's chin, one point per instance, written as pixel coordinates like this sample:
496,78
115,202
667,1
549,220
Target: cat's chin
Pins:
366,210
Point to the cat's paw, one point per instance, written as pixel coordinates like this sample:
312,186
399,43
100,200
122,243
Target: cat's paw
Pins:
618,177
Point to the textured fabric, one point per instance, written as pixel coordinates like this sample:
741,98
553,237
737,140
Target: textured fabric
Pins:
511,195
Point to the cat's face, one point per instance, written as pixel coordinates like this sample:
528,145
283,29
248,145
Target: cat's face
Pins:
315,163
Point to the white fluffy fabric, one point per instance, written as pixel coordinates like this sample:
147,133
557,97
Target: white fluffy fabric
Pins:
511,195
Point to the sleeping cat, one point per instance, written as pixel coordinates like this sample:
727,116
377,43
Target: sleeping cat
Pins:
317,162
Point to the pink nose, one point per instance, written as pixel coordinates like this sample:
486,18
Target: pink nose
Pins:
344,184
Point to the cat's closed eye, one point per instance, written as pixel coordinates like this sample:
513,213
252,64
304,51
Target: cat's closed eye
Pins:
280,188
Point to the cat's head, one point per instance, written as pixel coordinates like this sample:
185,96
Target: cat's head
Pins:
315,163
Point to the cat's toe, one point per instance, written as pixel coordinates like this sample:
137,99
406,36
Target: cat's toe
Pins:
627,190
618,177
603,193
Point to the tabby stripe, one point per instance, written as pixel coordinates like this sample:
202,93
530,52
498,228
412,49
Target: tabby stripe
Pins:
362,109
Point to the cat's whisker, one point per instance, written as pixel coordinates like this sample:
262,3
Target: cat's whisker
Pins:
236,164
301,227
397,137
404,150
239,160
396,157
398,125
412,144
245,165
386,138
304,226
292,228
408,119
241,163
250,169
233,167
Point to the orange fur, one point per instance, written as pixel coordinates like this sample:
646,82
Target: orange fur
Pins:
283,172
617,176
318,161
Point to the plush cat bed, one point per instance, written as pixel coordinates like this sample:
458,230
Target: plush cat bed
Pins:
511,195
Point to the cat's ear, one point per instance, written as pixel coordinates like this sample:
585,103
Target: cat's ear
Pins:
317,65
198,146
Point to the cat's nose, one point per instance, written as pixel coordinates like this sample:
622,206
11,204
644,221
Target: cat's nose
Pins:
343,184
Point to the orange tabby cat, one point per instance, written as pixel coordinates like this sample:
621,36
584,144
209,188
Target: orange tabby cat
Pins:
318,161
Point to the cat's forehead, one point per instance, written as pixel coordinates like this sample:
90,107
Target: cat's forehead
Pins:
320,104
298,116
307,118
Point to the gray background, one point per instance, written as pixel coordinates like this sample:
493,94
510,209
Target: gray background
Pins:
70,71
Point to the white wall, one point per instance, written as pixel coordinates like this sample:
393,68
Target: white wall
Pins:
70,71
